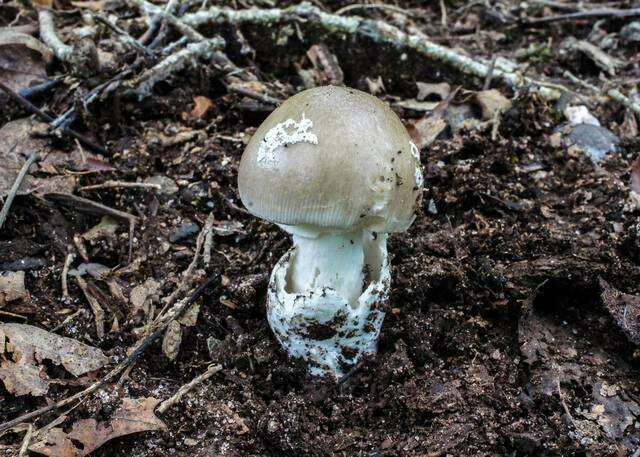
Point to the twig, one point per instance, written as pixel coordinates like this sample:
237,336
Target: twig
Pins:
14,188
24,449
255,95
121,184
363,6
598,13
65,274
98,312
91,207
68,319
624,100
49,36
124,34
208,240
175,398
34,109
155,11
489,77
136,351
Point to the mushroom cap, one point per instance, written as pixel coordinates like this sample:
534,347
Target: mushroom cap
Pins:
332,159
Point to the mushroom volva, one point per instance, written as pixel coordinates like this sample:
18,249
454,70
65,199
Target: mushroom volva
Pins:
336,169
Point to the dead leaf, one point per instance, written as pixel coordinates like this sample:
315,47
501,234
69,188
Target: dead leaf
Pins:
23,59
12,287
44,3
624,308
16,143
492,103
23,348
106,229
415,105
134,416
629,127
201,107
424,131
425,90
142,296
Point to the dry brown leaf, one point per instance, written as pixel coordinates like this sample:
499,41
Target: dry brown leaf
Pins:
442,90
23,348
201,107
23,59
12,287
17,142
492,102
424,131
142,296
134,416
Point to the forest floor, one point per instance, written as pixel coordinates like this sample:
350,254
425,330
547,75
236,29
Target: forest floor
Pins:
514,320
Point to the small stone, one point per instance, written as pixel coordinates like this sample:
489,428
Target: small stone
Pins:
190,442
594,140
186,230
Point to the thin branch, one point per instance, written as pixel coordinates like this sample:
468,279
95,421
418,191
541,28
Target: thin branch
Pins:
599,13
14,188
175,398
121,184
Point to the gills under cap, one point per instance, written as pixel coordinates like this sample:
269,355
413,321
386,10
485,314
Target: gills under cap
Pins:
332,159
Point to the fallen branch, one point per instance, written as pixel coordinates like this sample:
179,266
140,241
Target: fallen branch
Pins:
143,84
382,32
14,188
175,398
136,351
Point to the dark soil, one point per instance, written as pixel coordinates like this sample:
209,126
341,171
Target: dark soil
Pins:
496,342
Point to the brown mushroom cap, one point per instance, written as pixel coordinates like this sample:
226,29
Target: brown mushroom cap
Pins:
332,159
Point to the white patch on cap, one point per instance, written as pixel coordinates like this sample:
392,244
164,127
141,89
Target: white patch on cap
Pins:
283,134
415,152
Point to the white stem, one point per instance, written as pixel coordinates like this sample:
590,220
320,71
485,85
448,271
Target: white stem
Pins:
335,261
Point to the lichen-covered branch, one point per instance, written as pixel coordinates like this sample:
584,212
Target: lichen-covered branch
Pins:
382,32
377,30
143,84
155,11
49,36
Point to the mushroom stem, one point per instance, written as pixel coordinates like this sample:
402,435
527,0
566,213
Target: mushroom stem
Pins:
331,260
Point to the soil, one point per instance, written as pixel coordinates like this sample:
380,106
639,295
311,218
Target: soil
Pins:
497,340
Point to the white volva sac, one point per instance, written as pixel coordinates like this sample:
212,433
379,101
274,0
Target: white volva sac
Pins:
338,181
330,324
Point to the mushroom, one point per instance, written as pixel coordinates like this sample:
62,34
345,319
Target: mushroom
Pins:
336,169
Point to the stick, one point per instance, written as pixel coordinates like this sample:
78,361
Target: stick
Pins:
589,14
137,350
34,109
14,188
24,449
175,398
65,274
255,95
121,184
